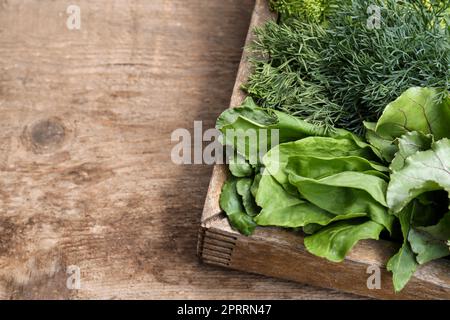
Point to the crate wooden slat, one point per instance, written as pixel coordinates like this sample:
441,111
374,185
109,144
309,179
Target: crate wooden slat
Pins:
281,253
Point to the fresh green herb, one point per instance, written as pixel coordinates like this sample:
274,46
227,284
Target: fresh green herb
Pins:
343,73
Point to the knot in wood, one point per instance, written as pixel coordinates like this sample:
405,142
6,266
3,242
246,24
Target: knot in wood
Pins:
45,135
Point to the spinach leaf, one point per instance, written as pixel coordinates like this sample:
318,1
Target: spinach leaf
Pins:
239,167
384,147
243,187
231,203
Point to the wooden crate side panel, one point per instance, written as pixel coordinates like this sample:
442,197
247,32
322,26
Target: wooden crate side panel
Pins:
293,262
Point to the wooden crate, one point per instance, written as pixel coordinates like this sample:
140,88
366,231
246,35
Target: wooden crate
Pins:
281,253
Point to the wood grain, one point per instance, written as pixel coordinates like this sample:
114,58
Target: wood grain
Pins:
281,253
85,172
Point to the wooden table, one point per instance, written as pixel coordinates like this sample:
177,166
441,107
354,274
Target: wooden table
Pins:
86,177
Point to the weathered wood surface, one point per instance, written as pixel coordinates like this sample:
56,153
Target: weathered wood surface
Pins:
281,253
85,171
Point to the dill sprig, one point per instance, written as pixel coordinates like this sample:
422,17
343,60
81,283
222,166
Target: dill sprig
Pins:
343,73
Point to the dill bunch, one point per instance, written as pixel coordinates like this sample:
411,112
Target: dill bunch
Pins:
343,73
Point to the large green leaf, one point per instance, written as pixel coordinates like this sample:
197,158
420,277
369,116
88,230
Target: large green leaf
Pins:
417,109
346,193
333,242
316,167
277,158
282,209
255,185
423,172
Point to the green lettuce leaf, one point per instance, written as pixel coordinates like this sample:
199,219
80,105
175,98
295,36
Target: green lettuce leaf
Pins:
255,185
248,121
282,209
425,110
321,147
335,241
346,193
241,128
316,167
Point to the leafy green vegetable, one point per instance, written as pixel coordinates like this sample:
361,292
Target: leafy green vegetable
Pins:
243,187
252,130
277,158
423,172
406,135
308,167
285,210
239,167
403,264
317,167
231,203
331,184
417,109
385,146
420,110
352,193
335,241
255,185
430,243
409,144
